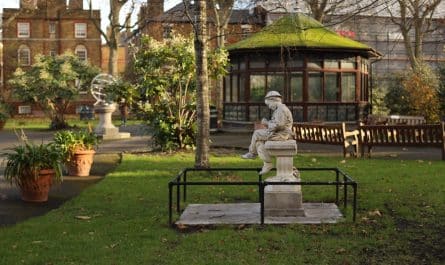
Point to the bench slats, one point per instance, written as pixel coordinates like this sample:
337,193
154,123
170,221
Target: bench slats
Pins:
402,135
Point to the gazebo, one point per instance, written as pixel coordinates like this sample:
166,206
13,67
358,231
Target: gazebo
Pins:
321,75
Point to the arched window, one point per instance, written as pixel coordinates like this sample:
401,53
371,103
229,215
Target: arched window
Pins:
24,55
81,52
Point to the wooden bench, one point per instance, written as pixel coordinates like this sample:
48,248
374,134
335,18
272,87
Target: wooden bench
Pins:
327,134
402,135
394,120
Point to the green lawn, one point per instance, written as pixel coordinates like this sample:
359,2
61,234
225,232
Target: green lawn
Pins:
44,123
400,220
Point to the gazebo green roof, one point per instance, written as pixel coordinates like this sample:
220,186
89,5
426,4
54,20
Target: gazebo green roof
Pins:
298,30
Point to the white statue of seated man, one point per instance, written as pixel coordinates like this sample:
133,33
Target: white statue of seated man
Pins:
279,128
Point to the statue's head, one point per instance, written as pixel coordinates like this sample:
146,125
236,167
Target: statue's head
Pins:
272,99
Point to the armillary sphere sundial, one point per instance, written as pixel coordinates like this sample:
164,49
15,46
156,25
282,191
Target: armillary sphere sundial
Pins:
98,88
104,108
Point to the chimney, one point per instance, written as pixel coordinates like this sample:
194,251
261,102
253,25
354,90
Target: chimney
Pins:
75,4
50,4
154,8
28,4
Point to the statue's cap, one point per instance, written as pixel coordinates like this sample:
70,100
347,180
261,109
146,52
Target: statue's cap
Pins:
272,94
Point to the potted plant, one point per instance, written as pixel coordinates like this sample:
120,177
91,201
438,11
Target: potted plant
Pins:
3,118
33,168
78,149
4,113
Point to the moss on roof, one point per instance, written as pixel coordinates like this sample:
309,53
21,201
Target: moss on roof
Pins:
297,30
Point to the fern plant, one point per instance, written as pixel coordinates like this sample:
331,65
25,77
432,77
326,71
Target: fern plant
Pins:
25,161
71,141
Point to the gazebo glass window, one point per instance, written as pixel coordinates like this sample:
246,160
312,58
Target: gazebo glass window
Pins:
257,62
296,87
331,87
315,87
275,82
235,88
348,87
257,87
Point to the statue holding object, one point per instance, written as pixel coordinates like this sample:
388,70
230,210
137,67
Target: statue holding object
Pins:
278,128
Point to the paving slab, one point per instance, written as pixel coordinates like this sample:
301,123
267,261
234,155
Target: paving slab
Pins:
249,213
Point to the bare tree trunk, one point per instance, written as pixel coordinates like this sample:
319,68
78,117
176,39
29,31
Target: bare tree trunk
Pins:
414,16
113,59
202,106
222,11
113,40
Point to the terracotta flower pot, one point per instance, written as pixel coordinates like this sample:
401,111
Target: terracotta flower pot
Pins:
36,190
80,163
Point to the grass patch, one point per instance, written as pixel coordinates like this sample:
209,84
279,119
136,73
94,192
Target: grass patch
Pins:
400,220
44,123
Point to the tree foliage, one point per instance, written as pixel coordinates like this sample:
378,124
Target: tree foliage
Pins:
421,86
441,93
396,98
415,93
52,83
166,72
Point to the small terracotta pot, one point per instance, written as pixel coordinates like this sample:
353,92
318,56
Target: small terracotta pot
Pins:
36,190
80,163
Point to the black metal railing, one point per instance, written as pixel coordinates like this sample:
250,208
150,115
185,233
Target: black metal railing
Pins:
182,180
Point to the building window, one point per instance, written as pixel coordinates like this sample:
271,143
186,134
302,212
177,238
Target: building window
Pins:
348,87
23,30
246,30
52,30
167,33
257,87
52,53
24,55
80,30
81,52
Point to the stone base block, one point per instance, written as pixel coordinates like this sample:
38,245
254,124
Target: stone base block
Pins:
116,136
106,131
283,200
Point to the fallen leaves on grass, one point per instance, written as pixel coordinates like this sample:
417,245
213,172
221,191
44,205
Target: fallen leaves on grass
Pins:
340,251
83,217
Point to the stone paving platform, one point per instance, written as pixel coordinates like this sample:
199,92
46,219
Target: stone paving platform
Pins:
249,213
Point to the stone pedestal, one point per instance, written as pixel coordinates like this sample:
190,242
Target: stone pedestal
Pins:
283,200
105,129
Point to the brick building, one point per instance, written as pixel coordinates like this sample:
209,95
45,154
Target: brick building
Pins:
159,24
47,27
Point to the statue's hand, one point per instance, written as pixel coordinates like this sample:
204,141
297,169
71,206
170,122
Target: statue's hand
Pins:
264,121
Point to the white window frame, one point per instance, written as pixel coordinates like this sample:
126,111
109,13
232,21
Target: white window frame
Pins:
52,27
167,31
246,30
23,29
80,30
23,59
81,49
24,109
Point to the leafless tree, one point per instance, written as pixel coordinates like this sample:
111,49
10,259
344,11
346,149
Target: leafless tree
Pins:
112,35
197,14
322,9
222,11
414,18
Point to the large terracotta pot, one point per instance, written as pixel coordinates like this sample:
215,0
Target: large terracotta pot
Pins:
36,190
80,163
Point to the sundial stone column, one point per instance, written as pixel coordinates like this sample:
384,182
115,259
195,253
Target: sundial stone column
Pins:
283,200
105,129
